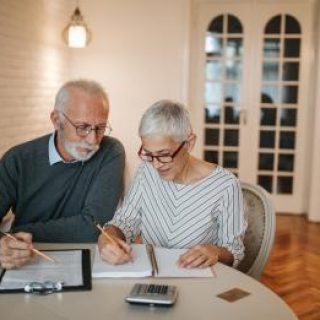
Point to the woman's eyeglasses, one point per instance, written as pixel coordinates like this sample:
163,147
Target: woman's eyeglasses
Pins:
162,158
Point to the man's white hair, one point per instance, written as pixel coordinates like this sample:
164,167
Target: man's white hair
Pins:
166,118
91,87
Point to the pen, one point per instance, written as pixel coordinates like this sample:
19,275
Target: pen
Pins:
10,236
153,259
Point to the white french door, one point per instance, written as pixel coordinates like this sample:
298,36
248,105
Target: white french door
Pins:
249,98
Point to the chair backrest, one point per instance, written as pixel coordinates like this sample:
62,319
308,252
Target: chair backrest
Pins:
260,233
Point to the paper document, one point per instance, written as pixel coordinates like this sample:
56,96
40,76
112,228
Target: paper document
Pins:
67,269
167,265
142,266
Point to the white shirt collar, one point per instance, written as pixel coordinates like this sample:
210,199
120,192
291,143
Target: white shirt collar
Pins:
54,156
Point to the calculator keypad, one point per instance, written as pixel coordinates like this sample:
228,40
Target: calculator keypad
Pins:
152,294
157,289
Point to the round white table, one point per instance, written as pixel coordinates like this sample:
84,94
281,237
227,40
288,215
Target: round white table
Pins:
197,300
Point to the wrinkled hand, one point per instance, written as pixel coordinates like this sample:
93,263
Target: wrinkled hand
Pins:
115,253
200,256
16,253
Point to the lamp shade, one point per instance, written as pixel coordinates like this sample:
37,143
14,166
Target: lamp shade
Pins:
76,34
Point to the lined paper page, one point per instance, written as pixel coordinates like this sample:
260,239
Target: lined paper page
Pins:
140,267
67,269
167,265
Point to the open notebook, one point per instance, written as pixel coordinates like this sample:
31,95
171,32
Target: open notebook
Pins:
142,265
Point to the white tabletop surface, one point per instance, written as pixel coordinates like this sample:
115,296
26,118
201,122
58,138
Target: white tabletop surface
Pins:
197,300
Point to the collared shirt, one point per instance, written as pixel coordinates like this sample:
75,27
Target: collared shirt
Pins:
54,156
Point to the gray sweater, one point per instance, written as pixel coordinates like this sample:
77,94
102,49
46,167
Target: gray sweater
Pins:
58,203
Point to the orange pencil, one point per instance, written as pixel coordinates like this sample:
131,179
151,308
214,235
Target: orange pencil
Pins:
105,233
34,250
110,238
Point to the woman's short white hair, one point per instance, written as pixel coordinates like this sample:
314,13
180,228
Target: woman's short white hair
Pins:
91,87
166,118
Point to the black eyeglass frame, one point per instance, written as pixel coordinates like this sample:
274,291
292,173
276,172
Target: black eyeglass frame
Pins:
170,157
83,130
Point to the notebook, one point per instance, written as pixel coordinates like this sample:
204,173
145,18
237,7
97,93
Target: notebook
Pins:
142,265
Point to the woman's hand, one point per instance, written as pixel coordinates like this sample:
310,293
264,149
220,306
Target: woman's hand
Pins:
115,252
200,256
16,253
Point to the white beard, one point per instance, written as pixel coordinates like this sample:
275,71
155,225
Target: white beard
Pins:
71,148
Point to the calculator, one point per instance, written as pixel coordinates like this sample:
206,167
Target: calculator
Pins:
153,294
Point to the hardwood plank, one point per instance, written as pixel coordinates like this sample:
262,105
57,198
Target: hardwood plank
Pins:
293,270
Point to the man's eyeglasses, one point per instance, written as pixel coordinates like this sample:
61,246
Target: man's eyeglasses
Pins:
85,129
162,158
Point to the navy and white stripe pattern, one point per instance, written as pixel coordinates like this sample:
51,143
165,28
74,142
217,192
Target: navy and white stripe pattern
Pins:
171,215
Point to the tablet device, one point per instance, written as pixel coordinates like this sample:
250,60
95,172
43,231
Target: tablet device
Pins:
153,294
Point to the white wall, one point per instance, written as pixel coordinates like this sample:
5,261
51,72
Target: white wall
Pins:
33,64
139,52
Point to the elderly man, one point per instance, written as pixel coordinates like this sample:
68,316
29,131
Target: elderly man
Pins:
59,184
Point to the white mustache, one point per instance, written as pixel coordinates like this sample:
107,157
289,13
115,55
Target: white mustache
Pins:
86,145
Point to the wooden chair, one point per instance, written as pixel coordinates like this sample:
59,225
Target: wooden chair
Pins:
260,232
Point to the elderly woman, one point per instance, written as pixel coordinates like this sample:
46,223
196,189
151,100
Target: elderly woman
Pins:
177,200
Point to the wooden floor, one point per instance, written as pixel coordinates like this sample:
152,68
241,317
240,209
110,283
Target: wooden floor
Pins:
293,271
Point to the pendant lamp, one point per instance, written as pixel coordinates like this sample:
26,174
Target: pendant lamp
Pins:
76,34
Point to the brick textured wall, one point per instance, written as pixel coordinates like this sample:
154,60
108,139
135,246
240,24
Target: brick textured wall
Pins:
33,64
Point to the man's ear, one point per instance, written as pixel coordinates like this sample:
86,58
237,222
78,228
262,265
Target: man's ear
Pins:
55,119
191,140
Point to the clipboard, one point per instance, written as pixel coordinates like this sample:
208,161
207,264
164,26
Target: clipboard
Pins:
72,272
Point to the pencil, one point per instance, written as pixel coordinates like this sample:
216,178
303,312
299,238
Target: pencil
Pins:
106,234
34,250
111,239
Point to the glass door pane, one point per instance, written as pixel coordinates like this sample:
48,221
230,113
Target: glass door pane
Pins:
223,73
279,104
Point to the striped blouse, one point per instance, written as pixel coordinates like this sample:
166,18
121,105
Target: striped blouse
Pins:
172,215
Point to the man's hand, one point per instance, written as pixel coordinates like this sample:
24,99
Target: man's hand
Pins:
16,253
